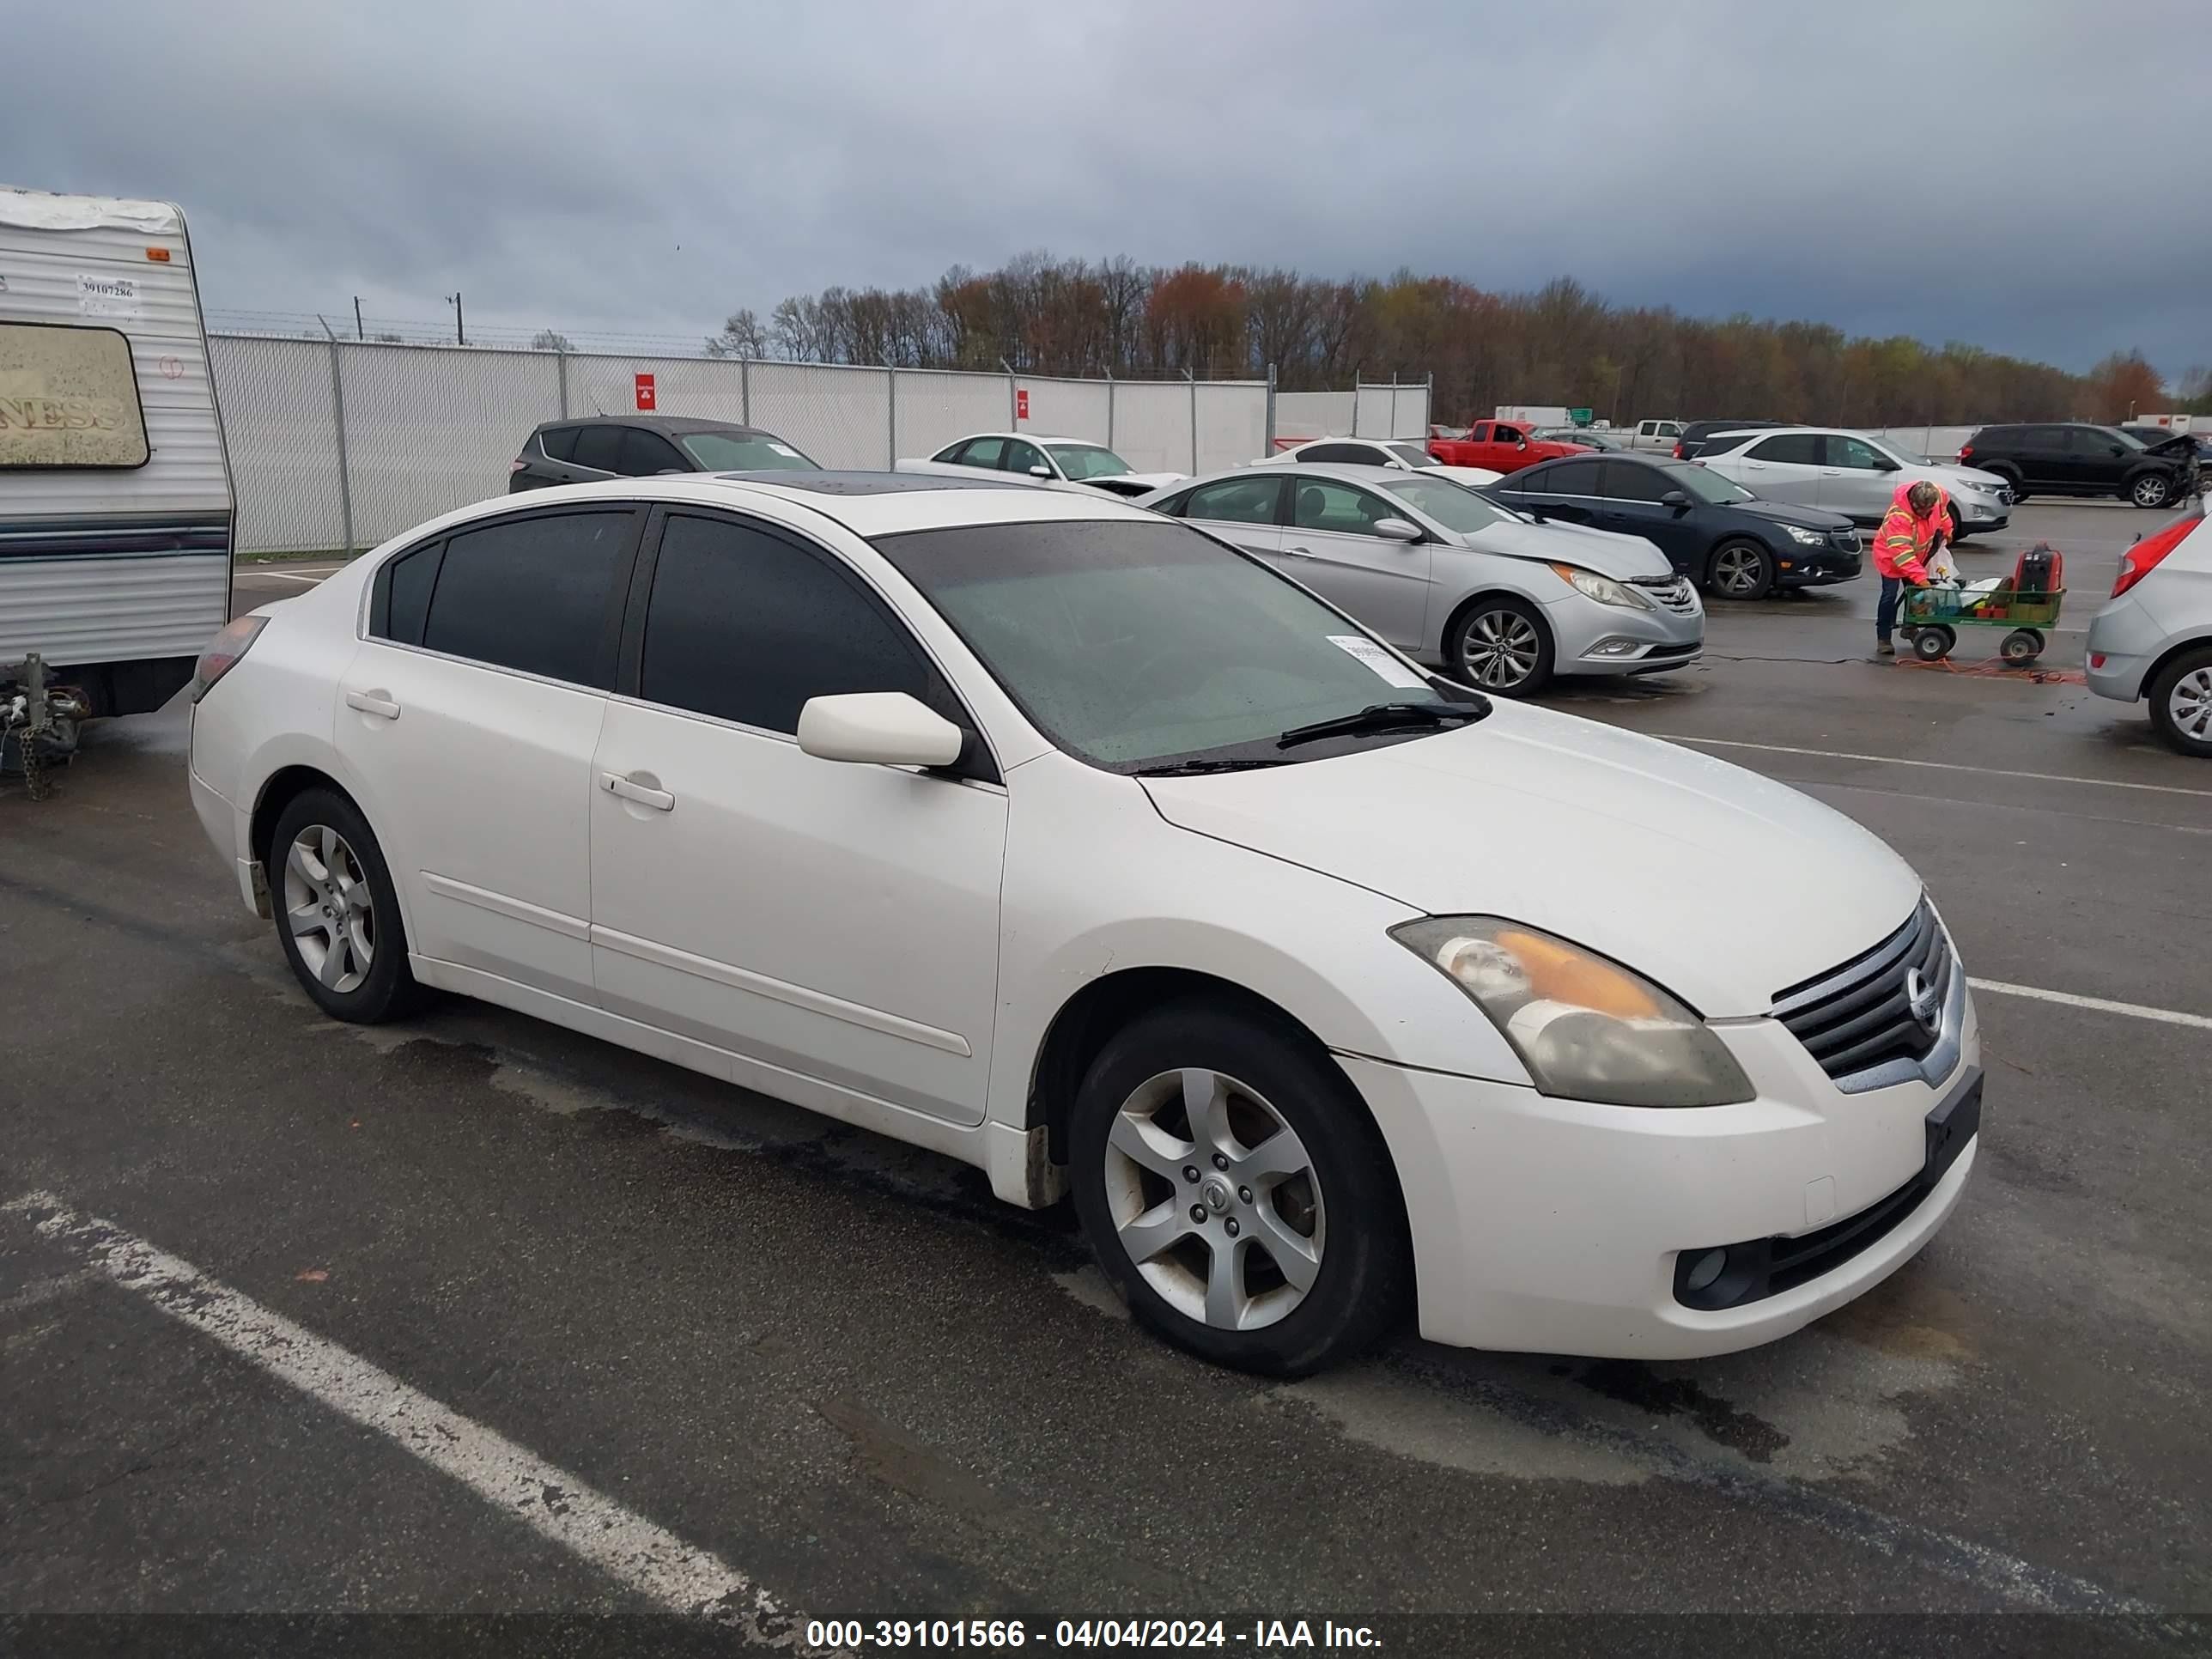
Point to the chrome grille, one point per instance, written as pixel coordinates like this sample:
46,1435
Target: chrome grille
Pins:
1859,1016
1673,591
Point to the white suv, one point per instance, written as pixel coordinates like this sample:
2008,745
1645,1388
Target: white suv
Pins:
2153,640
1851,473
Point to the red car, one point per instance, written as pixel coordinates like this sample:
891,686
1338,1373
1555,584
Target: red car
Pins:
1501,446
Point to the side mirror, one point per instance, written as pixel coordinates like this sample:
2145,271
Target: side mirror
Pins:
1398,530
882,728
1040,471
1883,463
1675,498
2116,450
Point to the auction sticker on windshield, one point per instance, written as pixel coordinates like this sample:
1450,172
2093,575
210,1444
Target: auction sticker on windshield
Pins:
1386,667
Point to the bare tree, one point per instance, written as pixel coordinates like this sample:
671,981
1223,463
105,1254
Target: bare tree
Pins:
742,336
551,339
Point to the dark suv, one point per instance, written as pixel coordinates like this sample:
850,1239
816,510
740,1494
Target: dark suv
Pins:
639,446
2076,458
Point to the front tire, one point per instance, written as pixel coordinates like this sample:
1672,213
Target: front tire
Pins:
338,915
1741,569
2151,489
1502,645
1957,531
1233,1186
2181,703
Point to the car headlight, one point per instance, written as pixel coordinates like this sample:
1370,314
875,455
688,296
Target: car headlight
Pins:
1586,1028
1806,538
1603,589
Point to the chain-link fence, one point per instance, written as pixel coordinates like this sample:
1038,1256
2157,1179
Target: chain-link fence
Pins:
1395,409
338,443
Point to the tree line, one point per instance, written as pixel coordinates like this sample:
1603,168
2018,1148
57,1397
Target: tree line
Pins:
1559,344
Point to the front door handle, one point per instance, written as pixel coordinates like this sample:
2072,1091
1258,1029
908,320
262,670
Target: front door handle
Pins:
378,703
643,794
1299,552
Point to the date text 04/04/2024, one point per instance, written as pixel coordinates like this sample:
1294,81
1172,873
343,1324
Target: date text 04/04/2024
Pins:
1265,1635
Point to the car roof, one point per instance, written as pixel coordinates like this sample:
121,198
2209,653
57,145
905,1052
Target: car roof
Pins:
670,424
1026,437
866,504
1343,472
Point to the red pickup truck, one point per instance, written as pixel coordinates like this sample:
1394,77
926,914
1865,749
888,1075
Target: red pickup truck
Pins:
1501,446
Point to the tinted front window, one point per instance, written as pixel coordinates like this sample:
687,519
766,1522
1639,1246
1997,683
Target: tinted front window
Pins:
1567,478
1789,449
644,453
1453,506
1081,461
598,448
1624,481
746,626
1235,500
536,593
1232,654
1856,453
1021,457
1340,508
744,452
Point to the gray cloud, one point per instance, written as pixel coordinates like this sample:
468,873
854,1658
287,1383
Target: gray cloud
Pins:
2004,171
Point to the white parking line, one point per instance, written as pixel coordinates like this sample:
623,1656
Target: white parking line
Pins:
1940,766
512,1479
2101,1005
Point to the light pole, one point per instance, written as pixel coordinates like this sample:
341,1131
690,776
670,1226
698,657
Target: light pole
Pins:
460,334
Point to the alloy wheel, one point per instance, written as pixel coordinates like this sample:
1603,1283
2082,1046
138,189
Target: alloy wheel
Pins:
329,907
2190,704
2150,492
1502,650
1215,1200
1737,572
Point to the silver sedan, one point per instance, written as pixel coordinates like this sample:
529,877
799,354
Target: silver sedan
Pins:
1495,598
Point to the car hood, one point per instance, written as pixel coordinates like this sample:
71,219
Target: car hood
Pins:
1805,518
1952,476
1630,847
1605,551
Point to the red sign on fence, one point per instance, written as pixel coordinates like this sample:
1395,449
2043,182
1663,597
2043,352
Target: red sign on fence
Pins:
1022,404
644,398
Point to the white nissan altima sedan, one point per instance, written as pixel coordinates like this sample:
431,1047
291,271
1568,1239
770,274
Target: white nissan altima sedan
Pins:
1067,840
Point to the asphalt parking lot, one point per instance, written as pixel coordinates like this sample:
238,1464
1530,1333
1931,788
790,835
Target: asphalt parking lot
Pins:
476,1315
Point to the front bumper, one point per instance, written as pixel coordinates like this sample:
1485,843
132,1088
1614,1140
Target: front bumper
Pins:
1555,1226
2124,641
1816,567
1590,638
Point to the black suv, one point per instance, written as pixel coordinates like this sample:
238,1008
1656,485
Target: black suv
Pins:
639,446
1695,435
2076,458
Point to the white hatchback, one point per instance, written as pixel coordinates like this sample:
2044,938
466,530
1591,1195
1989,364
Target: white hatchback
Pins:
1066,840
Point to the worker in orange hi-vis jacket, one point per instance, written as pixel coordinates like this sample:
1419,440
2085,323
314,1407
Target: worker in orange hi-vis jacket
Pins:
1910,534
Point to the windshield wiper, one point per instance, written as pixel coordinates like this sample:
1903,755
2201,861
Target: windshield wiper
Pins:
1191,769
1385,717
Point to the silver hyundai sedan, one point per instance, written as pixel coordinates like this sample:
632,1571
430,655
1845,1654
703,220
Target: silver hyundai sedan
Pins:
1496,599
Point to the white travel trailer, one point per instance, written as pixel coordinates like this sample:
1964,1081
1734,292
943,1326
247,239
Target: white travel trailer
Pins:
115,498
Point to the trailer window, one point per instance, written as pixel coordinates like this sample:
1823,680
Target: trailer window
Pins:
69,397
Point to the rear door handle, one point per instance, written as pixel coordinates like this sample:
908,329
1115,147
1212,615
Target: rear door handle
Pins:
644,794
377,703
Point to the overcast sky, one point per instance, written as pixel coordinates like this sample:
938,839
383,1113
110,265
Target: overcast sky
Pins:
2034,176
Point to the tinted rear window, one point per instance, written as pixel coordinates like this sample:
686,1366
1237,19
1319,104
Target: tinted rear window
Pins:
560,442
536,594
598,448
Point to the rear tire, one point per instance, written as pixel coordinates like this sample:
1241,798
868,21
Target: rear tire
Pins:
1740,569
337,914
2022,646
1959,531
1185,1111
2181,703
1502,645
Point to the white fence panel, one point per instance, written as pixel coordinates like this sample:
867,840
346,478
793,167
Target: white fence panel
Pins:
428,429
840,416
1392,411
1302,415
278,425
702,387
934,408
1232,423
1067,409
1151,425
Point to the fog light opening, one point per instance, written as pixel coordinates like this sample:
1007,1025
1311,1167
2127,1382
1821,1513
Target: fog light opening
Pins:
1704,1270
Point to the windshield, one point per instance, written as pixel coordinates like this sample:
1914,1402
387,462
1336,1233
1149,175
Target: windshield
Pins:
1453,506
1701,485
743,451
1134,644
2127,438
1412,454
1081,461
